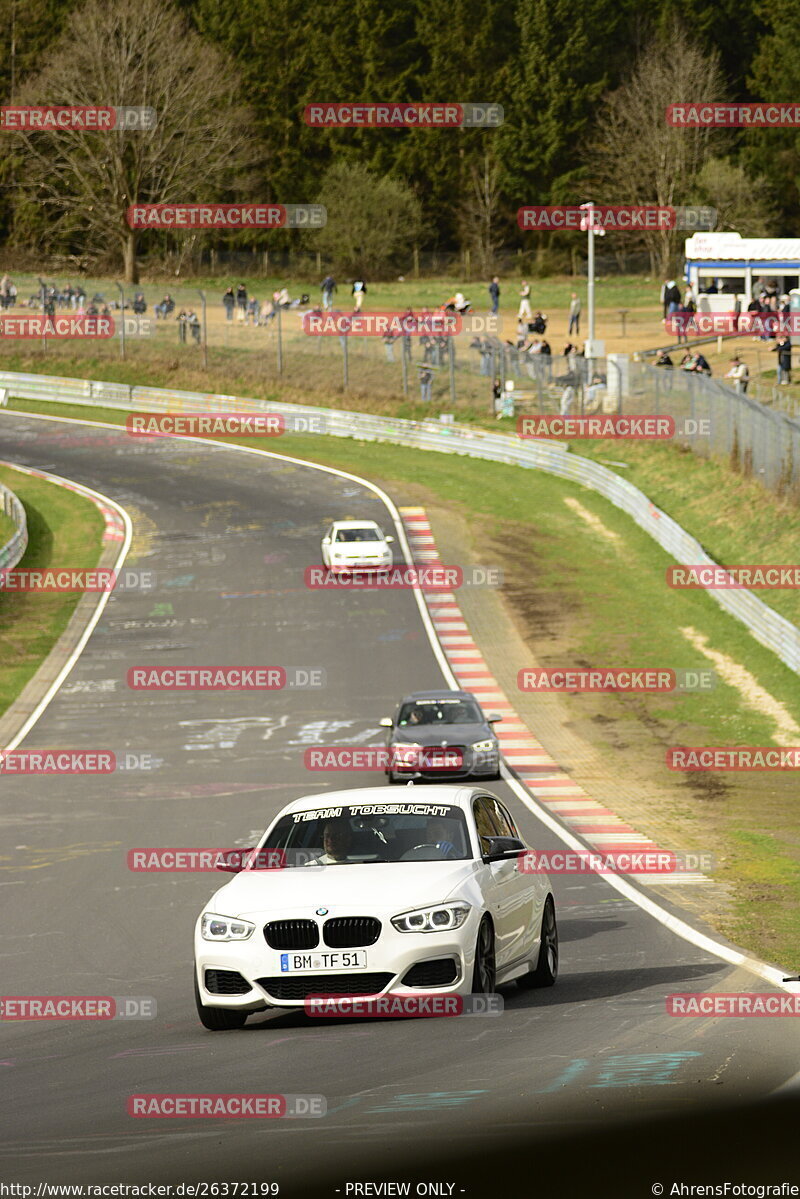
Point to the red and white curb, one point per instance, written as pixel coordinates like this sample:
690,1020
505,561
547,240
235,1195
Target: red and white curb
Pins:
601,828
114,524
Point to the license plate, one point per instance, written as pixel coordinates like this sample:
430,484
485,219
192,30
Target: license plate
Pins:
324,963
442,759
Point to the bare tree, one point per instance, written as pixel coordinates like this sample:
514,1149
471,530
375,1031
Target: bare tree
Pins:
634,156
479,212
75,185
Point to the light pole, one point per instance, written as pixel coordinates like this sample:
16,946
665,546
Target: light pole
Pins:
121,291
588,224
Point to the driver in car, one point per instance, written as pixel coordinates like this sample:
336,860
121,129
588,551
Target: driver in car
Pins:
336,841
437,835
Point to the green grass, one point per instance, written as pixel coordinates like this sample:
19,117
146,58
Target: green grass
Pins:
614,291
64,530
620,612
7,528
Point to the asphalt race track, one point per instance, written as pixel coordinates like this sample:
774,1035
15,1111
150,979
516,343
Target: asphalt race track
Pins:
228,535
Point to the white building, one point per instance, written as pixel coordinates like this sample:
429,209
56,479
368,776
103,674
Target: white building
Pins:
721,266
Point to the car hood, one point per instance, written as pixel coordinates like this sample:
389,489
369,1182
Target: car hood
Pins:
348,890
444,734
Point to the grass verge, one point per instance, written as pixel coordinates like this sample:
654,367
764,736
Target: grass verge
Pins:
64,530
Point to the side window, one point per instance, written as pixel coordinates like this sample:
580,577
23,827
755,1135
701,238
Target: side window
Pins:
505,825
483,820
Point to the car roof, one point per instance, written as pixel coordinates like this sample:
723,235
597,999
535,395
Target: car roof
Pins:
443,694
458,794
356,524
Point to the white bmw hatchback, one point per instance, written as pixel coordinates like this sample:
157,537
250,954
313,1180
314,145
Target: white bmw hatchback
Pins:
418,894
356,545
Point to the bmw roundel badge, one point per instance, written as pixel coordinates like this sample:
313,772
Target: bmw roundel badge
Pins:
321,912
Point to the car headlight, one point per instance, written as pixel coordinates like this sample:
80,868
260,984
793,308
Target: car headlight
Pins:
225,928
484,746
441,918
405,753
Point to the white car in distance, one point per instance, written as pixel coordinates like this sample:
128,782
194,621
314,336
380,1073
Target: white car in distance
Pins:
419,893
356,545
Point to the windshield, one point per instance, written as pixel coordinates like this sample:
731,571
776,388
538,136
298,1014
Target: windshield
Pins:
440,711
358,535
392,832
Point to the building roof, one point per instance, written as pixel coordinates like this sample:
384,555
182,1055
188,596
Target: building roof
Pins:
719,247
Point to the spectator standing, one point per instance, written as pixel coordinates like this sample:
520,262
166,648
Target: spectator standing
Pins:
425,383
4,285
359,291
740,374
193,321
241,303
328,288
524,301
574,315
229,301
783,348
252,311
182,326
494,293
672,297
497,398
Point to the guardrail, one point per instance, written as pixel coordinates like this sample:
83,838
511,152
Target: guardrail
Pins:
767,626
12,551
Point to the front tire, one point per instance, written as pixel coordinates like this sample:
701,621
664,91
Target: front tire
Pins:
484,973
217,1019
546,971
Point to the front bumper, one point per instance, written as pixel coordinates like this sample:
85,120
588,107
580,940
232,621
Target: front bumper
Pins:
474,764
389,960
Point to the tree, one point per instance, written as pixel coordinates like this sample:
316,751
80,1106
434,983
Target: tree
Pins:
743,204
479,213
75,186
776,77
371,219
634,156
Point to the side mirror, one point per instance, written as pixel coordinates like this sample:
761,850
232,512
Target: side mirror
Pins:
326,540
500,849
233,861
494,718
387,539
385,722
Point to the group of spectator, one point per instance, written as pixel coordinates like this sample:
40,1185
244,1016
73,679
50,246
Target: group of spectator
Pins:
250,311
696,363
329,286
